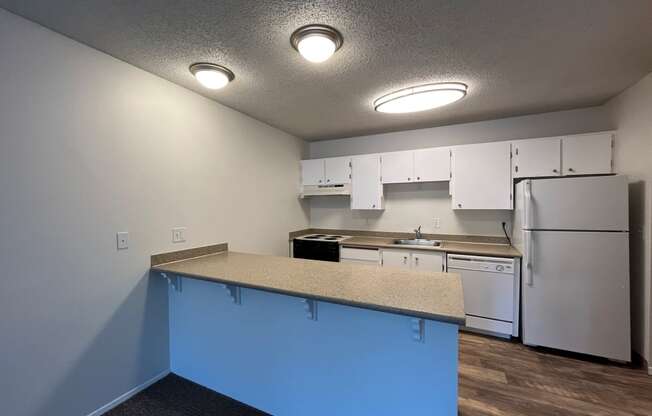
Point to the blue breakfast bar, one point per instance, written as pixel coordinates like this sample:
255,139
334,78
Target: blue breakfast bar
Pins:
296,337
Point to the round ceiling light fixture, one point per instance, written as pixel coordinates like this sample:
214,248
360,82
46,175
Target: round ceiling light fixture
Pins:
212,76
316,43
421,98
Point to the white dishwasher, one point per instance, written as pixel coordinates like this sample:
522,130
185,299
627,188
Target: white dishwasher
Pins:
491,292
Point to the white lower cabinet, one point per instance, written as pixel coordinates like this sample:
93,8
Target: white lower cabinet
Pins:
396,258
427,261
360,255
413,259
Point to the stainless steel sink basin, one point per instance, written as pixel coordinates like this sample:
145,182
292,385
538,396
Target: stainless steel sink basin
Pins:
418,242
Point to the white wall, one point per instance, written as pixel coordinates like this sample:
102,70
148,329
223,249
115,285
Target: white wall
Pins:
410,205
90,146
631,113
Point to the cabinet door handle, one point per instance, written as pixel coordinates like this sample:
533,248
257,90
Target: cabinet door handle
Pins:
416,260
320,181
404,259
418,178
571,170
555,170
459,205
409,179
328,180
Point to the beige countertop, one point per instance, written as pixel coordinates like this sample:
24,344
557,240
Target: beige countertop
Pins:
479,249
429,295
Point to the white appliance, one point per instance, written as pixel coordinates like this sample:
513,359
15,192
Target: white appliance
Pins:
491,292
573,233
319,190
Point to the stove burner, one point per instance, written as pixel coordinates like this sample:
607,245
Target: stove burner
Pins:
330,238
336,236
312,237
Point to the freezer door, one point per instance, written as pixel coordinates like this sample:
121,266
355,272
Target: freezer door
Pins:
576,292
596,203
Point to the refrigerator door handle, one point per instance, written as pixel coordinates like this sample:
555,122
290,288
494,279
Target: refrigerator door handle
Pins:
529,243
528,204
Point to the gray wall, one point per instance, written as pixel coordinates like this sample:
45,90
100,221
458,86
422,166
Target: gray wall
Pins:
410,205
90,146
631,113
538,125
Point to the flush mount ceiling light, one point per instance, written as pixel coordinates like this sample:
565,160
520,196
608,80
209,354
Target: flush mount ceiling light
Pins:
316,43
212,76
421,98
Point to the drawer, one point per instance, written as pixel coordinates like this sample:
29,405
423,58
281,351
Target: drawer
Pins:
370,255
354,261
506,329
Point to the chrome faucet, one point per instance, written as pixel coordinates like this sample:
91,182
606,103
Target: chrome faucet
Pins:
417,234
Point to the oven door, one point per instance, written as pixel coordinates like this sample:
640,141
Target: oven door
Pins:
316,250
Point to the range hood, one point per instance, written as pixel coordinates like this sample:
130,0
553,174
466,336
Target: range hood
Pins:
316,190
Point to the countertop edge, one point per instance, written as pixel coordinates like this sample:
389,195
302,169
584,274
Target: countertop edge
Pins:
441,249
456,320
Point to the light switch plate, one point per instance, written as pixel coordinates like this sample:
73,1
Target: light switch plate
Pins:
123,240
179,235
437,222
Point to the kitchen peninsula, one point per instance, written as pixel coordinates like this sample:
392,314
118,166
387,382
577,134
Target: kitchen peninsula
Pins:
293,336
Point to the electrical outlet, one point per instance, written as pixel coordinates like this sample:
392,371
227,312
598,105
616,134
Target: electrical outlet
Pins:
437,222
179,235
123,240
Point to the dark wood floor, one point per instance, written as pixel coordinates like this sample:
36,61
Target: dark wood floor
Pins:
504,378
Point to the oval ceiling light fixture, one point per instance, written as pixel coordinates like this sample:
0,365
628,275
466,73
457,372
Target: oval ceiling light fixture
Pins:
421,98
316,43
212,76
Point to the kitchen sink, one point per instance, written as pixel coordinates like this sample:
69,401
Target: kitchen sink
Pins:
418,242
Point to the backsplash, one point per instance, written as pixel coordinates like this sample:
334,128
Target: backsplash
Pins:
406,207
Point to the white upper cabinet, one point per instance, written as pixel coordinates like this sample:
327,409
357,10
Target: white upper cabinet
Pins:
587,154
312,172
424,165
432,165
397,167
337,170
482,176
329,171
537,157
366,188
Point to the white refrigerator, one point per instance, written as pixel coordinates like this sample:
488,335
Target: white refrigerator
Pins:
573,234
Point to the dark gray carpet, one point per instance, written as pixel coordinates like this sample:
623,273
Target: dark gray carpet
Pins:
176,396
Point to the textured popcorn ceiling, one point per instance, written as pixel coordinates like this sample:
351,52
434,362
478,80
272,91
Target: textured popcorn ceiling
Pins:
517,56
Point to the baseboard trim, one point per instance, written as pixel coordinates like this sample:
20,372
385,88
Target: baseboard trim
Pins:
126,396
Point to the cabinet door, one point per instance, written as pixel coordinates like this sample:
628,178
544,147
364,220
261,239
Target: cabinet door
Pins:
587,154
432,165
396,258
312,172
338,170
482,175
537,157
428,261
366,189
398,167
